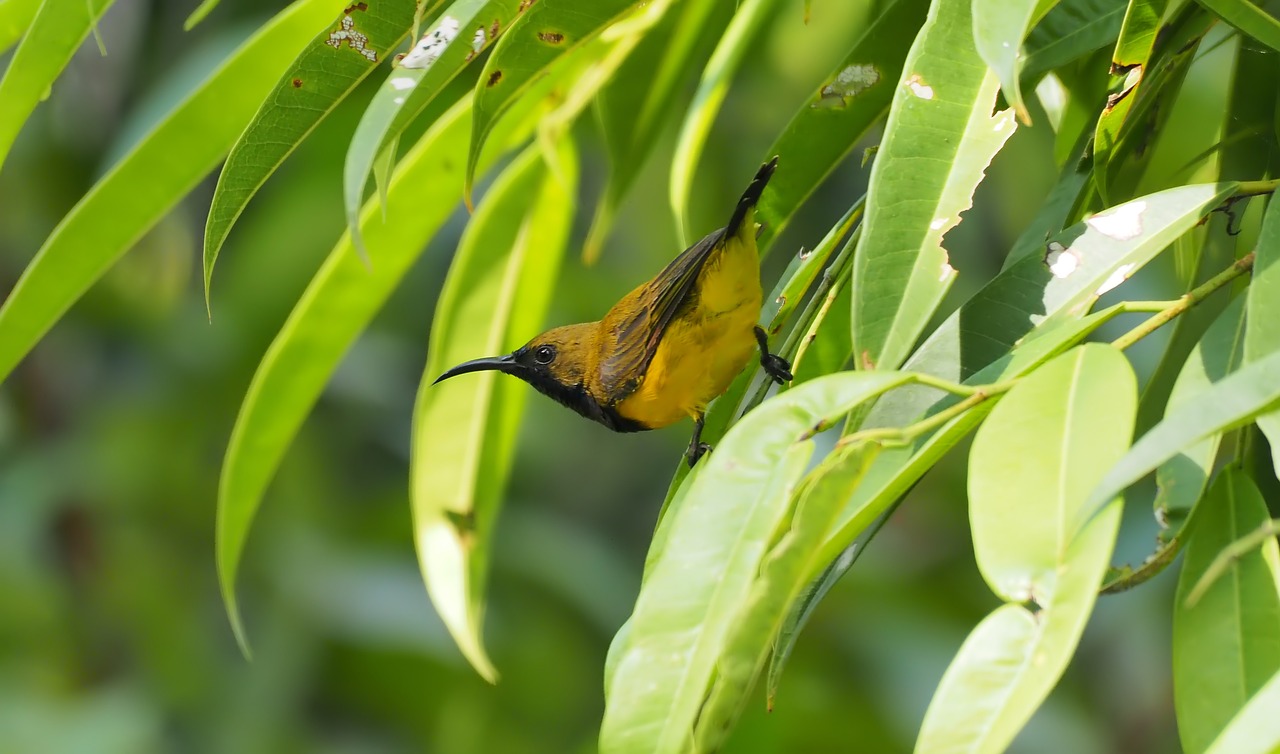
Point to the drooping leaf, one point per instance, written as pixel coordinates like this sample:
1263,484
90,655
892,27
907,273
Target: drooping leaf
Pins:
15,19
1238,398
854,98
150,180
1226,645
496,295
1262,331
999,28
330,67
1256,728
53,36
419,78
535,40
938,141
641,97
1249,19
1075,416
750,18
700,582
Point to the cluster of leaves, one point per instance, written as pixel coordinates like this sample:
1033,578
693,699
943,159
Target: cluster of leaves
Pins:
752,539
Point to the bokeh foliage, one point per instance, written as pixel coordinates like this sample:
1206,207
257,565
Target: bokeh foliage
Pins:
1062,245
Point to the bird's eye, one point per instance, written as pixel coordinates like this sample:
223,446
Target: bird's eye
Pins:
544,354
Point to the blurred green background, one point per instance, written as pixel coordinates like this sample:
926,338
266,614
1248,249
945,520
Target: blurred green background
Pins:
112,633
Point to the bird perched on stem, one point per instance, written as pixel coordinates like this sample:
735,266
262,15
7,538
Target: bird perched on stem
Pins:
669,347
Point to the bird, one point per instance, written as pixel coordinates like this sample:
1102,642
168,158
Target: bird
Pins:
667,348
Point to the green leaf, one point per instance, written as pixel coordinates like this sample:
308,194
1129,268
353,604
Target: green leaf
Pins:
642,96
420,77
1248,18
784,571
750,18
1033,463
54,35
538,37
938,141
1071,30
164,166
1056,212
201,12
15,19
330,67
1232,401
999,28
825,346
1181,481
1256,728
694,594
1262,331
495,297
1128,67
853,99
1226,646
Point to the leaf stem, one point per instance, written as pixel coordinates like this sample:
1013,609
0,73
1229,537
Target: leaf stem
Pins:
907,434
1188,300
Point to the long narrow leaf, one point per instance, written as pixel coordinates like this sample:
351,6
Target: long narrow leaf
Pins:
999,28
15,19
497,293
163,167
1248,18
1256,729
331,66
1262,330
54,35
940,138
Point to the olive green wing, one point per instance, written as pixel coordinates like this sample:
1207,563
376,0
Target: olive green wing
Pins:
635,325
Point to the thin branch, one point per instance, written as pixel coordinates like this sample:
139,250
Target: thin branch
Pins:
1188,300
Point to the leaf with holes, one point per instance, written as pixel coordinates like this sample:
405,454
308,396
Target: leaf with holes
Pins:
324,74
1128,66
1076,415
939,139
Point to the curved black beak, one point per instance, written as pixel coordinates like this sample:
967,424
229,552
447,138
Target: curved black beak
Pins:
507,364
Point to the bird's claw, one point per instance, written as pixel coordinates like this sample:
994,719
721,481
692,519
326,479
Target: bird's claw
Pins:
697,451
776,367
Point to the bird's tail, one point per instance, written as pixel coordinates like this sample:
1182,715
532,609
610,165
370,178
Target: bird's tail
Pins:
749,198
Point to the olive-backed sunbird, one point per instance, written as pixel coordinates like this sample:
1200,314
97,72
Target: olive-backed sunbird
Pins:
669,347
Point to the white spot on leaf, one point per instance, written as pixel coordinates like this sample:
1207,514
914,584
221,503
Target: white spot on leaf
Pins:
432,45
400,83
1061,260
1120,223
1119,276
918,87
477,42
938,223
347,33
947,272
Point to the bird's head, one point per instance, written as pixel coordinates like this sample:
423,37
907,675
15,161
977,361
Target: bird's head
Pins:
554,362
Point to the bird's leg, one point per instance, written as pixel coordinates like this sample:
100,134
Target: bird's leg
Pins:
696,446
774,365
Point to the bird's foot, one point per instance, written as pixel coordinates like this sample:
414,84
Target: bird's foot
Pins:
696,451
776,367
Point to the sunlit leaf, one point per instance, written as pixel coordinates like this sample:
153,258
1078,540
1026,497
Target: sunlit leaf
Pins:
1234,400
15,19
1128,67
938,141
1256,728
738,39
999,27
433,62
537,38
54,35
1248,18
853,99
151,179
327,71
1262,330
642,96
1033,463
1072,29
495,297
1226,645
700,582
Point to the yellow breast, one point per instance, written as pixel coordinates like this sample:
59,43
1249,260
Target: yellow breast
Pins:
705,347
